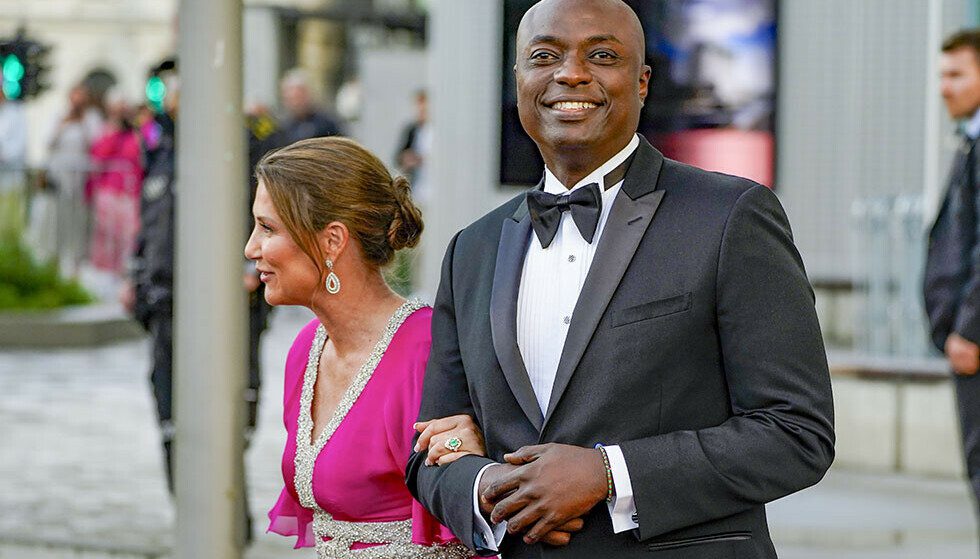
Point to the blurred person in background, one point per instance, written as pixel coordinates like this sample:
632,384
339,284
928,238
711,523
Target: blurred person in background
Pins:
327,218
116,178
302,118
13,137
952,270
412,157
262,128
150,293
67,174
13,157
415,147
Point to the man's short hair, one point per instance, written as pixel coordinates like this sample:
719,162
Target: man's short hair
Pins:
969,38
296,77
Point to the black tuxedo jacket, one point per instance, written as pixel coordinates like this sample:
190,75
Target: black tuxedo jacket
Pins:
952,270
694,345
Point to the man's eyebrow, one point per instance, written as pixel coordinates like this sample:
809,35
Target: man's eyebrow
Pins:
545,39
595,39
603,39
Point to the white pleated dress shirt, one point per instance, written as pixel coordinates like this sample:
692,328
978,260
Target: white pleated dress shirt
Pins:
551,281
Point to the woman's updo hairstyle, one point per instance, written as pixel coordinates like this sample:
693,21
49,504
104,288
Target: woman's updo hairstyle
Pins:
321,180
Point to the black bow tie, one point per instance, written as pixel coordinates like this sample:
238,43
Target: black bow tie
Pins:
585,205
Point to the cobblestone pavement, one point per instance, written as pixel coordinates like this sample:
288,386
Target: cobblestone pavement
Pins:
81,472
81,468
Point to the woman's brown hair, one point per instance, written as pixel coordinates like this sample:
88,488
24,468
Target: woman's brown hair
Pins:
321,180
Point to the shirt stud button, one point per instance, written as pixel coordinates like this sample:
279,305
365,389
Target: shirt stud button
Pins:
567,320
571,258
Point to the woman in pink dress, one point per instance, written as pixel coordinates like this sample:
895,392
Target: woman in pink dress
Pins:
328,217
115,184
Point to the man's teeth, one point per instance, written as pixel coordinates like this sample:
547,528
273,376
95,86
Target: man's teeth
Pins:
573,105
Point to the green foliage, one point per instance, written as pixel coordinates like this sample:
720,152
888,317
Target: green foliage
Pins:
398,273
26,285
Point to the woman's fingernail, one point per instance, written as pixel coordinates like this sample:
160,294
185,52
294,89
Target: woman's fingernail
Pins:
416,447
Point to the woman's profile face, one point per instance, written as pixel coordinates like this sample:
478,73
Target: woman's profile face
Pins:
290,277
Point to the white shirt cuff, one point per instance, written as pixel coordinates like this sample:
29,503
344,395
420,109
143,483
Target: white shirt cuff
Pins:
622,509
492,535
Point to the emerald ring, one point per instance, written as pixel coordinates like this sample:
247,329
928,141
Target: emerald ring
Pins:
453,444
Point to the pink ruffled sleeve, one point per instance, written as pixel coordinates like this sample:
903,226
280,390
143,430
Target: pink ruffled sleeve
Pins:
288,517
426,530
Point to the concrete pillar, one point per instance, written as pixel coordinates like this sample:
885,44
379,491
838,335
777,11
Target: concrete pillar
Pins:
262,55
464,73
210,318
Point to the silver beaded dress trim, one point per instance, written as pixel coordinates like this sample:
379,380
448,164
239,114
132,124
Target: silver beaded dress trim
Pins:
395,537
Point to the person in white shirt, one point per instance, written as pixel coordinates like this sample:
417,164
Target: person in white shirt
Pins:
67,174
636,338
13,157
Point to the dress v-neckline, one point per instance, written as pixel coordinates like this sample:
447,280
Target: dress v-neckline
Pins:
307,449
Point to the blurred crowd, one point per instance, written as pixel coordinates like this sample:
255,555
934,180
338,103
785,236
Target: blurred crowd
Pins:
84,208
84,200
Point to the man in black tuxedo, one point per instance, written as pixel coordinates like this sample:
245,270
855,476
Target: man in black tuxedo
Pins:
952,274
635,331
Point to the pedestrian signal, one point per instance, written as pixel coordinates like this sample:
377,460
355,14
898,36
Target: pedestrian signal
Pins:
13,73
23,63
156,91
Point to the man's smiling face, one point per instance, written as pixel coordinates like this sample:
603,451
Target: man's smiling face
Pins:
581,80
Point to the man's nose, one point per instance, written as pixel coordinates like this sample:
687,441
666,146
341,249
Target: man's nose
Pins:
573,72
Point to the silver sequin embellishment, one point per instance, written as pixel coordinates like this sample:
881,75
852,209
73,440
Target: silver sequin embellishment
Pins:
396,536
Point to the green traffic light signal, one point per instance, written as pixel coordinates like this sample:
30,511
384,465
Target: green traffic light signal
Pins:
156,90
13,69
13,72
11,90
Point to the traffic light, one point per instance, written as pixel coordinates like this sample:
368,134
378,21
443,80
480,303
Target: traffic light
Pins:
23,64
156,90
13,73
156,87
36,68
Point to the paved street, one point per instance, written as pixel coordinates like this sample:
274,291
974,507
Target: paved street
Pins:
80,462
81,472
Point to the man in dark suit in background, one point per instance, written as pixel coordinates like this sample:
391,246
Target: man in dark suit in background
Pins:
635,331
302,118
952,273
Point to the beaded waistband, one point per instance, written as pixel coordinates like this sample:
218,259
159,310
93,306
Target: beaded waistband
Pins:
395,539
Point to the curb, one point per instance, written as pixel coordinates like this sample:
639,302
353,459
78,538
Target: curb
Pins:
71,327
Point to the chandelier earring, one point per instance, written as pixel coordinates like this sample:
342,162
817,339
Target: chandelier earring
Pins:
333,282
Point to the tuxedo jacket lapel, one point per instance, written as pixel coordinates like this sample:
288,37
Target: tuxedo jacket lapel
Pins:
628,221
511,250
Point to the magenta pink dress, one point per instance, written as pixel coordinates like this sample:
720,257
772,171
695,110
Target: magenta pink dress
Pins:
115,186
347,492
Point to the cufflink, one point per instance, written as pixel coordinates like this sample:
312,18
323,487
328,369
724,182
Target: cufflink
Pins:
636,518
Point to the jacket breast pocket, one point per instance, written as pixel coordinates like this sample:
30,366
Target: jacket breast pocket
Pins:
653,309
711,546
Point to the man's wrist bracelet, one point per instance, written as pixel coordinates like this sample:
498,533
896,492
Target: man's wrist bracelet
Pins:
609,478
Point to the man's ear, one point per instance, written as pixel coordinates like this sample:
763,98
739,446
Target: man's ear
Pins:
333,240
645,74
